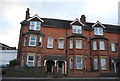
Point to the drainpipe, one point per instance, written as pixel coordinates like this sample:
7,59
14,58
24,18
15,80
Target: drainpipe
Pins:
66,51
90,52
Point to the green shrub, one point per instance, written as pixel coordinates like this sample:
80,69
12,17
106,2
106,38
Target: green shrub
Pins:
14,62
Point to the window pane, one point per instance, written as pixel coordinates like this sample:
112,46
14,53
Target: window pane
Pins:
94,45
71,62
98,30
39,61
32,41
37,25
30,64
61,43
113,46
102,45
71,43
95,63
79,43
76,29
31,58
25,40
103,64
50,43
40,42
78,62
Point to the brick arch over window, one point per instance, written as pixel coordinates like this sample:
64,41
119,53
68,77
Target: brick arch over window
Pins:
80,36
104,38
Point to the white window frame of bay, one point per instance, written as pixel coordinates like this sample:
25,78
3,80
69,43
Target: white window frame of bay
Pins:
71,62
77,29
94,45
38,61
78,43
61,43
95,63
35,25
103,64
71,43
32,41
78,62
40,42
102,45
30,60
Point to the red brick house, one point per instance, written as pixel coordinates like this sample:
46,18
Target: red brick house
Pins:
66,46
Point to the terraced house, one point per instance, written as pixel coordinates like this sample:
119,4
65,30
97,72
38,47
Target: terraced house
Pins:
69,46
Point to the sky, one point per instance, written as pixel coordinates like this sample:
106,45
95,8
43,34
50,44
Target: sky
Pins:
12,12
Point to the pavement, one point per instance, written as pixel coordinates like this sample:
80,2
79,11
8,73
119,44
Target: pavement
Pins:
60,79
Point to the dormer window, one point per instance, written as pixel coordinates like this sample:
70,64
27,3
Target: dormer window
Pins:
35,25
98,30
77,29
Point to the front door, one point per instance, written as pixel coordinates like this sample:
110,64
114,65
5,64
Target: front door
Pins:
50,65
60,67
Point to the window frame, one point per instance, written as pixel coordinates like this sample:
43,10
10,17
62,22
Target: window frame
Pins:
34,25
103,64
79,63
30,61
102,45
94,43
71,43
32,40
38,61
40,42
77,29
48,43
71,62
23,60
96,64
25,41
98,32
79,44
113,47
61,43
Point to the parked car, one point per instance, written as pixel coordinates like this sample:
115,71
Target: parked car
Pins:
3,69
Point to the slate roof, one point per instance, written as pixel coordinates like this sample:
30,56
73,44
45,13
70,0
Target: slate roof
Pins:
58,23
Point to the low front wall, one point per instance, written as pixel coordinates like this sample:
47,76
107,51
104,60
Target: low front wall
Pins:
25,72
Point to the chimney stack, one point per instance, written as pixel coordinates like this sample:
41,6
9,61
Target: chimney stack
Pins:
27,14
83,19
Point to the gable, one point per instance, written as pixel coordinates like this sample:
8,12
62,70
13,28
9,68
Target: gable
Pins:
77,22
35,18
98,24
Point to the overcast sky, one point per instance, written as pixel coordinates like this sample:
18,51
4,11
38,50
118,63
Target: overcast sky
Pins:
12,12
